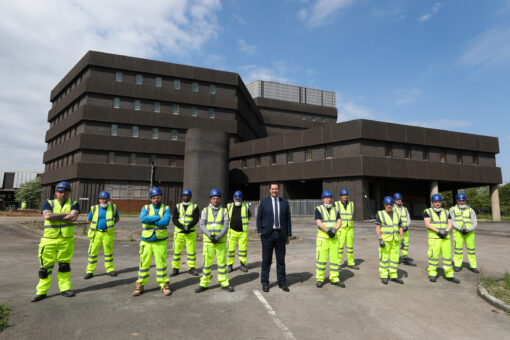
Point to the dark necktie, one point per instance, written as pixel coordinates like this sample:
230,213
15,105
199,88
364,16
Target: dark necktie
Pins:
276,215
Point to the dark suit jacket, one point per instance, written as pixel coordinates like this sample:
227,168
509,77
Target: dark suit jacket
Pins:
265,218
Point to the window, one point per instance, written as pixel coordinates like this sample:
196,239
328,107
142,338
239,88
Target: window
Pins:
111,157
194,111
211,113
212,89
194,87
475,158
132,158
303,117
459,156
407,152
290,157
323,119
308,155
174,135
139,79
158,82
328,151
153,159
314,118
442,156
273,159
114,129
387,150
177,84
172,161
426,154
134,131
136,105
243,163
118,77
154,133
175,109
116,102
157,107
257,161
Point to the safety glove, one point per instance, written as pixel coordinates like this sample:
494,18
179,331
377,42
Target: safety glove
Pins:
405,228
331,232
381,243
402,244
213,239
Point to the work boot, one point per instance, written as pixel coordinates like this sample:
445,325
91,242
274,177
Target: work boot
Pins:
88,276
139,289
166,289
243,268
68,293
113,273
338,284
229,289
353,267
230,268
407,261
175,272
457,269
432,278
397,280
474,270
200,289
38,298
193,271
319,284
384,280
452,279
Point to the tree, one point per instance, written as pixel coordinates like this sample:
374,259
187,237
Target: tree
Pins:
30,192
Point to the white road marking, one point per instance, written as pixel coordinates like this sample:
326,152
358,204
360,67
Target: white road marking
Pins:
285,330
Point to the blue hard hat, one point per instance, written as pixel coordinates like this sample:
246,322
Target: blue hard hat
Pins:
155,191
388,200
344,192
63,186
238,195
104,194
186,192
326,193
397,196
461,197
214,192
436,197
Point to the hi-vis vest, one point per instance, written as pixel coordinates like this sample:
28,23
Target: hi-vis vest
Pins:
186,213
345,213
111,211
214,225
402,213
463,217
244,215
328,219
149,229
389,227
439,222
52,229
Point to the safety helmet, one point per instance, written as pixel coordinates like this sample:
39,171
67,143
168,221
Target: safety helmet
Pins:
186,192
388,200
397,196
461,197
436,198
326,193
104,195
155,191
63,186
238,195
344,192
214,192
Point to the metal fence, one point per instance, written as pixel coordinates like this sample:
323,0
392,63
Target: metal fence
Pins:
297,207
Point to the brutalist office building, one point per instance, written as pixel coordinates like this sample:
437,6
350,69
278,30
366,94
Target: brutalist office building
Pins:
122,124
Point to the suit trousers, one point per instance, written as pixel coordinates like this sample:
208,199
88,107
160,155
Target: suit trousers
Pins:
275,241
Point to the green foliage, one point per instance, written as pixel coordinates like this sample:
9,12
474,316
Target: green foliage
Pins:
479,199
447,199
4,314
30,192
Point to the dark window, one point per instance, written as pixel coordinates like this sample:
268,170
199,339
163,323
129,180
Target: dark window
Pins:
308,155
290,157
273,159
425,154
243,163
407,151
257,161
459,156
329,151
442,156
387,150
475,158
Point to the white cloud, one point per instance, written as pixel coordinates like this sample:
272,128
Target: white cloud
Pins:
491,48
42,40
349,110
250,73
404,97
239,19
245,48
429,15
442,124
321,12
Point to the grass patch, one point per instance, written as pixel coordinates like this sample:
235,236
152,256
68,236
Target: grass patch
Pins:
4,315
500,289
489,217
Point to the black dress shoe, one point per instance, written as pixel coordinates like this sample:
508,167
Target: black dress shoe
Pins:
284,287
397,280
229,289
38,298
384,280
457,269
338,284
230,268
200,289
432,278
244,269
319,284
193,271
474,270
113,273
265,288
175,272
68,293
88,276
452,279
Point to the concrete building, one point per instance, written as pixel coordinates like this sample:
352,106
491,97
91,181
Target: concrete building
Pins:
113,116
11,181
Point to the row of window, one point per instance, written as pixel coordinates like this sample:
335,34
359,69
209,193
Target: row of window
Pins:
134,132
77,80
328,154
157,107
159,81
172,160
388,152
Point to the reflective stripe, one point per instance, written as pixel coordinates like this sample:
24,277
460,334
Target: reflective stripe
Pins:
58,226
105,260
322,263
320,269
143,277
205,268
93,257
92,262
143,270
161,276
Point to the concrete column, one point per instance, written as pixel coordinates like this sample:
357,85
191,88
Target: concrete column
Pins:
378,196
434,188
496,212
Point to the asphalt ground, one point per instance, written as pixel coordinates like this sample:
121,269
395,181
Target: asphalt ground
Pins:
104,308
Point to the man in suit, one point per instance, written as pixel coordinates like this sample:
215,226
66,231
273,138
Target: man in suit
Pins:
274,234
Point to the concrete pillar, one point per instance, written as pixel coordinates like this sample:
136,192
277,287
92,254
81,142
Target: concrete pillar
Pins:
206,164
378,196
496,212
434,188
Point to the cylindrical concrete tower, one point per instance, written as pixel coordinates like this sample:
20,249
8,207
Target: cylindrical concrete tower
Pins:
206,164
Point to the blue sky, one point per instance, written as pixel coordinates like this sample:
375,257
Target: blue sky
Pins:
441,64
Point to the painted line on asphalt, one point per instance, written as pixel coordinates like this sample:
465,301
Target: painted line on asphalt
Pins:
285,330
